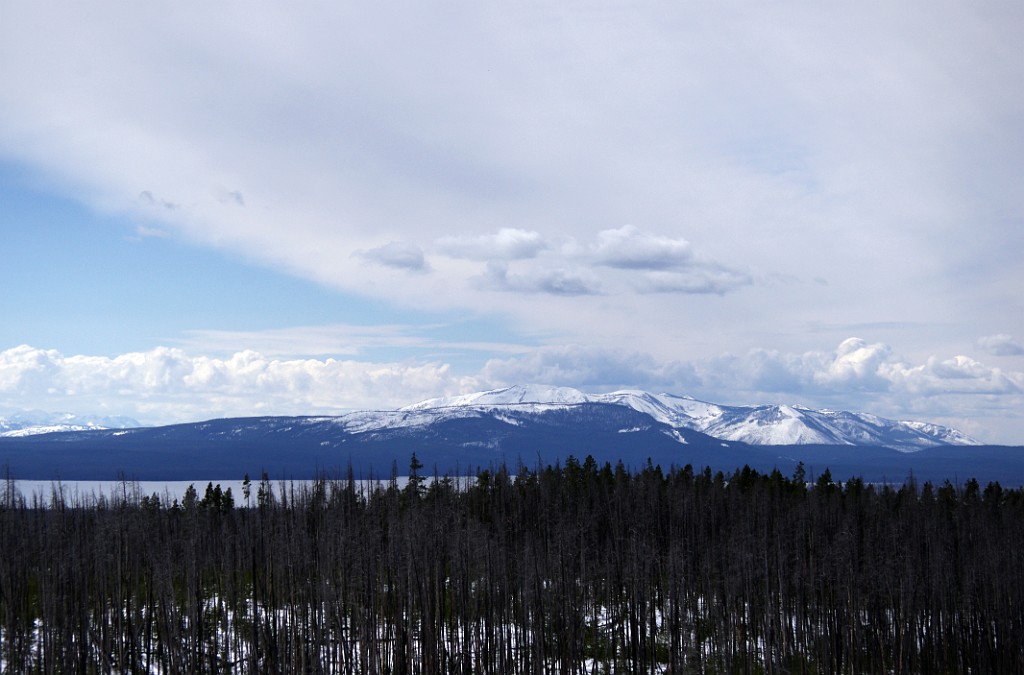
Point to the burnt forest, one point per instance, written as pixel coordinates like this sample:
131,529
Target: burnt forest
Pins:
570,569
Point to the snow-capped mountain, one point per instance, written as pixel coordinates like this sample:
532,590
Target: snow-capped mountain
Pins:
516,395
755,425
36,422
516,426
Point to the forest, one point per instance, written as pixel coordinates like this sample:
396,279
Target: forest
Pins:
572,568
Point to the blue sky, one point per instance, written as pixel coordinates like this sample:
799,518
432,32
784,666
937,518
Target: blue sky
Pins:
249,208
86,282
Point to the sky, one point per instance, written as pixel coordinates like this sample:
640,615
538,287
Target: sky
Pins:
242,208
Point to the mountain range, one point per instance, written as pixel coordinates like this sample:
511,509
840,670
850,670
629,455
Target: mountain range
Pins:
525,424
755,425
34,422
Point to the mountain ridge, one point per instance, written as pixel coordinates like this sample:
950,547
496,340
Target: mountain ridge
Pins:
36,422
459,439
770,424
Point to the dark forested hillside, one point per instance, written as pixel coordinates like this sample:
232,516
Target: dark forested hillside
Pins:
567,569
295,446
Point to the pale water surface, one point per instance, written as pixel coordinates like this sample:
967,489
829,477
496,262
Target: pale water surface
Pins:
42,492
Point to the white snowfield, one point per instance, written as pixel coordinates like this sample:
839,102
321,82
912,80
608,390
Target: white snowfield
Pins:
46,429
36,422
756,425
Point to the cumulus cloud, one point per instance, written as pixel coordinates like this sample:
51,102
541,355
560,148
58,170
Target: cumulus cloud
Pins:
591,367
550,281
629,248
506,244
798,138
169,385
705,279
857,373
819,127
397,255
625,260
668,265
1001,344
855,363
26,368
957,375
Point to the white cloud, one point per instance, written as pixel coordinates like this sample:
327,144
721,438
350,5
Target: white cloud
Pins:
629,248
855,364
590,367
860,376
144,232
24,368
791,129
623,260
169,385
878,149
557,281
397,255
507,244
858,370
665,264
700,280
957,375
857,375
1001,344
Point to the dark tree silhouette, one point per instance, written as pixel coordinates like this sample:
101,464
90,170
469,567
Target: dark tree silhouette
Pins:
573,568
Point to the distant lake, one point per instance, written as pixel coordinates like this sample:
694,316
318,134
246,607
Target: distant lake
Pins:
41,492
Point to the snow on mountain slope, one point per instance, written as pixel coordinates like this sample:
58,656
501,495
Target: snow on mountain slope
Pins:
514,395
516,405
756,425
34,423
364,421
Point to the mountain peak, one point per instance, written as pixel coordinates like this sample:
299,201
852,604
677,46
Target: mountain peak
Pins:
33,422
514,395
753,425
756,425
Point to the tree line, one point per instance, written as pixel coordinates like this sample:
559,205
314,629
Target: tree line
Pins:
571,568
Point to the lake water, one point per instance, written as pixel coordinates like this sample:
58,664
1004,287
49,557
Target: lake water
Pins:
85,491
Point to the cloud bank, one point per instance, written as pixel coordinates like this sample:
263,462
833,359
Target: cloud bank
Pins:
789,139
1001,345
166,385
169,385
719,192
620,260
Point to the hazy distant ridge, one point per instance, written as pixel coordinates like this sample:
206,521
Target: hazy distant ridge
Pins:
33,423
